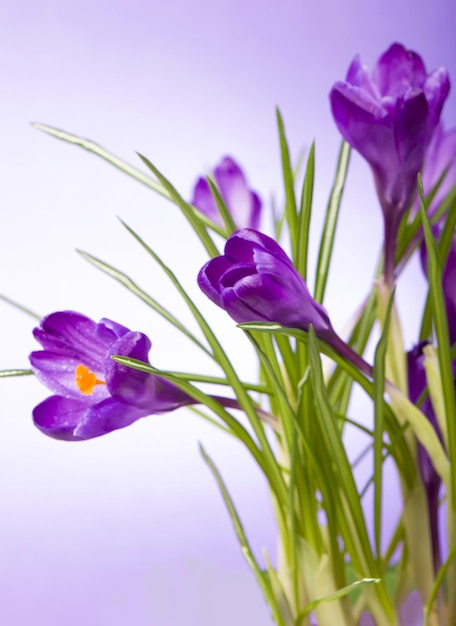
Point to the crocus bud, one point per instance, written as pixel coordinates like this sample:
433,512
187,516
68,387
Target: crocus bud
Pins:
243,203
255,281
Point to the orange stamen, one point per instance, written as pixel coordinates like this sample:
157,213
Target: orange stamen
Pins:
86,380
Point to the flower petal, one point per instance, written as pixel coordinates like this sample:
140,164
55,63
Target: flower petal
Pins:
73,335
397,70
58,373
239,199
147,392
57,417
104,417
204,201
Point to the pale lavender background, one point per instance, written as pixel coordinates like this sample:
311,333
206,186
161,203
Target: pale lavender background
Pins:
130,529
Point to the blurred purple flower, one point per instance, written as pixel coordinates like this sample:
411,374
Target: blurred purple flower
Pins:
243,204
389,118
410,612
256,281
448,282
440,155
417,384
94,394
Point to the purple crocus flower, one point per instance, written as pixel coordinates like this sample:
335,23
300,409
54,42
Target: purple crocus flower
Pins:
244,204
94,394
417,384
389,117
256,281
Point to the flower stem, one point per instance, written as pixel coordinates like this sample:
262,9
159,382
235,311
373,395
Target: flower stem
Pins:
390,226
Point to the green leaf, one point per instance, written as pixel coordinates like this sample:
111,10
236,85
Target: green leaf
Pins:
291,211
127,282
224,211
93,147
20,307
263,581
329,228
438,581
435,269
340,593
305,212
379,388
189,212
10,373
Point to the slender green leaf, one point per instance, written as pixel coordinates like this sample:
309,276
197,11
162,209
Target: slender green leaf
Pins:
93,147
434,273
291,210
379,389
186,208
444,245
329,228
305,212
10,373
127,282
340,593
262,580
438,581
20,307
227,218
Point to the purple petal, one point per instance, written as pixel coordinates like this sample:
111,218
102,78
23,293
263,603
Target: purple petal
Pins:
235,192
204,201
147,392
440,155
411,610
410,130
210,275
243,204
105,417
243,244
397,70
74,335
255,211
364,123
358,76
58,373
109,331
57,417
449,290
436,89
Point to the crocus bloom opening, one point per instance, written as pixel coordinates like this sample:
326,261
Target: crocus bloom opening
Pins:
256,281
389,118
243,204
94,394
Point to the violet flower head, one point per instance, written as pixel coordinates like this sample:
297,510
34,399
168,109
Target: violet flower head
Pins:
243,203
389,118
94,394
255,281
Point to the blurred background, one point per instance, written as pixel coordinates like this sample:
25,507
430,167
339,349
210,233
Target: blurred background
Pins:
130,528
